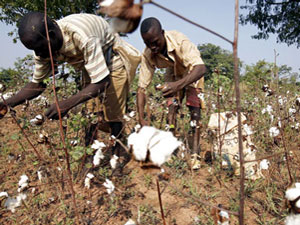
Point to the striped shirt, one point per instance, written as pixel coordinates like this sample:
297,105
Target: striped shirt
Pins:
86,37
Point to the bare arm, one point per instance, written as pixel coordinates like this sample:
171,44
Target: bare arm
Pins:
90,91
30,91
172,87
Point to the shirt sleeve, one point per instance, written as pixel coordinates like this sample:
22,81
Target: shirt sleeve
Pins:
190,54
42,69
95,63
146,72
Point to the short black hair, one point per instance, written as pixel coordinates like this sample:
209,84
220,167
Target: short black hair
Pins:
33,23
149,23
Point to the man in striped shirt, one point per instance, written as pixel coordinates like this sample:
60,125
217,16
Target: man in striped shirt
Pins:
86,42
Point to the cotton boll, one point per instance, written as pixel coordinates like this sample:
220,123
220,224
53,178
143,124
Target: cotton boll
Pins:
292,219
106,3
3,194
97,157
109,186
12,203
87,180
98,145
264,164
292,193
126,118
36,121
39,174
113,161
132,114
130,222
274,131
23,183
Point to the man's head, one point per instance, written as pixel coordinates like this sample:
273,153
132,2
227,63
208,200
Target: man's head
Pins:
32,34
153,35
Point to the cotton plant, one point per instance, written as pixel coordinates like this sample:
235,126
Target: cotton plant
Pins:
99,154
39,174
292,195
110,187
87,180
158,144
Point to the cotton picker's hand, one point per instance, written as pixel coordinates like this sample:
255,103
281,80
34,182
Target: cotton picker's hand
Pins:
52,112
170,89
3,110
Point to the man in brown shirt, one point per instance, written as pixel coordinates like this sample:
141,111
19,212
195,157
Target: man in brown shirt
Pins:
184,72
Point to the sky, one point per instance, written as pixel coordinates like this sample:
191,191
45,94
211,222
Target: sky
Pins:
217,15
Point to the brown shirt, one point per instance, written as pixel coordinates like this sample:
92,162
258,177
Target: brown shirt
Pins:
182,54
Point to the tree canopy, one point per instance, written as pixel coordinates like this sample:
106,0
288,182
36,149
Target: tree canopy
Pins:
215,57
274,17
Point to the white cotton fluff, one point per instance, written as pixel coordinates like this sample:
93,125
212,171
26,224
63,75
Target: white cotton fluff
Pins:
193,123
106,3
247,129
140,142
2,194
130,222
7,95
126,118
110,187
12,203
160,145
39,174
87,180
264,164
132,114
97,157
292,193
99,154
274,131
292,219
224,214
23,183
113,161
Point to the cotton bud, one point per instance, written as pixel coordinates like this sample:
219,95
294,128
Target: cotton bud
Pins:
110,187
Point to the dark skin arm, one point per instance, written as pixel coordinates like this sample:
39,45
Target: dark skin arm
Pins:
30,91
90,91
172,87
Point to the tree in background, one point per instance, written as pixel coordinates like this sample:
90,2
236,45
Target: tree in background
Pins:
12,10
215,57
274,17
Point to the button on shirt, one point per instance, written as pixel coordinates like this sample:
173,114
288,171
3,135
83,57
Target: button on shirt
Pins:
182,56
86,37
